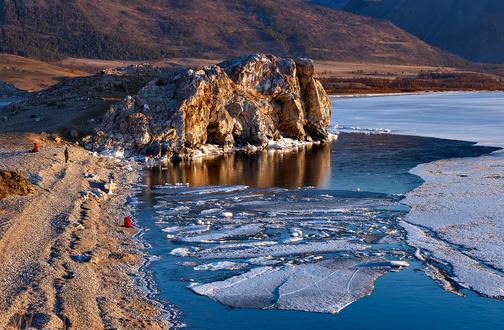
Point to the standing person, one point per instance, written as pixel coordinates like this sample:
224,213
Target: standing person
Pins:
66,154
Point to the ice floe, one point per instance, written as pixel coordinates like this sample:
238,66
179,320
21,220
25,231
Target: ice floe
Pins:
325,287
222,265
197,229
466,271
328,246
291,233
245,230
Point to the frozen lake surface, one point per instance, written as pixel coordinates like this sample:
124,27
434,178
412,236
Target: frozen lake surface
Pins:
282,240
475,117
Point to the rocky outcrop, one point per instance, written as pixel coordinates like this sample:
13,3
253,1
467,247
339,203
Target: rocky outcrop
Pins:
248,100
12,183
74,107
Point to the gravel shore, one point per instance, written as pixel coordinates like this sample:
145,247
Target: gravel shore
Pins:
65,259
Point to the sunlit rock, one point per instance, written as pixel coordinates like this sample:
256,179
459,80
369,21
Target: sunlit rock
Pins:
245,101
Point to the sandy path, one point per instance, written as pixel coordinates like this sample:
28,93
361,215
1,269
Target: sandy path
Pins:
65,259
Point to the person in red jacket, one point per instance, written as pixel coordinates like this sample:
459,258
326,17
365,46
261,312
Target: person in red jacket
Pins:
35,147
128,223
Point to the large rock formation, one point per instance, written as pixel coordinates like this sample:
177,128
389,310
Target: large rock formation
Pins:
248,100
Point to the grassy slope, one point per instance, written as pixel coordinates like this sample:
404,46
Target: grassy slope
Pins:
32,75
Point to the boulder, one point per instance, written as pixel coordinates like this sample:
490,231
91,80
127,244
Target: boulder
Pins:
244,101
11,183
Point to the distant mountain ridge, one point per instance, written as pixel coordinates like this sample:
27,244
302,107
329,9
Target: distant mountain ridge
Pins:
136,29
473,29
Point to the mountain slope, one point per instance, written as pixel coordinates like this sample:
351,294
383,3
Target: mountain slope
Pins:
138,29
469,28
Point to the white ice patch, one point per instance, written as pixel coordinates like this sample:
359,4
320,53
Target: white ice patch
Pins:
441,115
241,231
324,287
181,252
222,265
263,261
468,272
328,246
213,189
208,212
187,229
461,202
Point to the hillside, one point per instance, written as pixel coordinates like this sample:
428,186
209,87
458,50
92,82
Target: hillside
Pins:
32,75
471,29
120,29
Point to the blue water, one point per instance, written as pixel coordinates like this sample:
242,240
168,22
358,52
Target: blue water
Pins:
368,168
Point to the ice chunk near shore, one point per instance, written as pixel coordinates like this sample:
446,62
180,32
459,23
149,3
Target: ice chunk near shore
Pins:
325,287
187,229
263,261
456,219
328,246
181,252
467,272
399,263
245,230
210,211
284,143
205,190
222,265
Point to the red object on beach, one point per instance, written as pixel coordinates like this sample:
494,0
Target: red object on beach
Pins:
35,147
128,223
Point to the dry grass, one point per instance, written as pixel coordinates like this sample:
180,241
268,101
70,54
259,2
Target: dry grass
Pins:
94,65
328,69
32,75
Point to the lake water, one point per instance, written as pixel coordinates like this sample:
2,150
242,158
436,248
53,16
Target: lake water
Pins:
7,101
238,207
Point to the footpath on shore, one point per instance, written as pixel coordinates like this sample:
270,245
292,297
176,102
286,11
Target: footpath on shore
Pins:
65,260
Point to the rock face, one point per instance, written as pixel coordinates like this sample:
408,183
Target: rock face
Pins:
248,100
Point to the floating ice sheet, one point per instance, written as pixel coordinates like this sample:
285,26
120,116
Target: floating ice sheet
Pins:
245,230
222,265
461,204
467,272
187,229
324,287
329,246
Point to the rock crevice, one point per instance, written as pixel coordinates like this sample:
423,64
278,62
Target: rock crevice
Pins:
247,100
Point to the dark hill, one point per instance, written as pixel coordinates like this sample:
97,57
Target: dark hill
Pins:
473,29
135,29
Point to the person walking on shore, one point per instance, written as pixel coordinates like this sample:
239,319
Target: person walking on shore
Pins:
66,155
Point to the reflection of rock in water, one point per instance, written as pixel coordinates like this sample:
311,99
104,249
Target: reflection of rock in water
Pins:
307,166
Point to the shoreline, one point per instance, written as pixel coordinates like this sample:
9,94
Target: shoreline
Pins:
145,280
66,259
455,219
427,92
